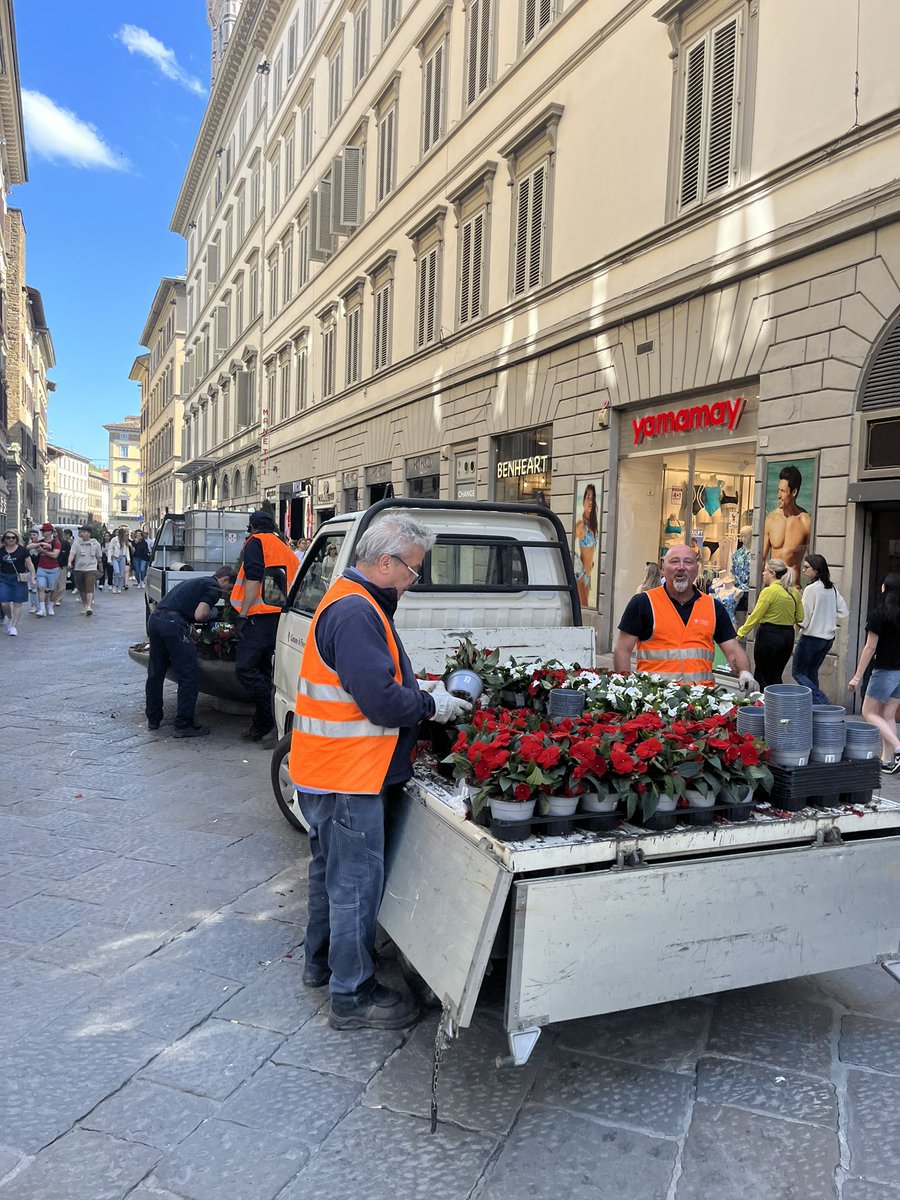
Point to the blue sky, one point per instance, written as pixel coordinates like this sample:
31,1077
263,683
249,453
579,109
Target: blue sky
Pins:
114,92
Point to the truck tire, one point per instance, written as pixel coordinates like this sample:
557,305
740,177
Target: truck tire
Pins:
285,796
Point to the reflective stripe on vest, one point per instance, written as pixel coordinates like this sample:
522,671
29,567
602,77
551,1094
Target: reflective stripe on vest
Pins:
275,554
676,649
334,747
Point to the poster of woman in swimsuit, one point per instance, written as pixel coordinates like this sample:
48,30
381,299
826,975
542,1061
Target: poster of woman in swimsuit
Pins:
586,546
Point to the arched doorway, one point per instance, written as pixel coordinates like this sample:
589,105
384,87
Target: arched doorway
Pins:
226,493
237,485
251,484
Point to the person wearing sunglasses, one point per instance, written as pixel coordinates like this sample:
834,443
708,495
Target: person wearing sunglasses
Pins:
17,574
357,717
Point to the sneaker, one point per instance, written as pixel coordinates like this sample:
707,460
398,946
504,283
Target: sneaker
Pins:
192,731
315,977
153,725
42,610
12,631
379,1008
253,734
895,765
88,612
51,611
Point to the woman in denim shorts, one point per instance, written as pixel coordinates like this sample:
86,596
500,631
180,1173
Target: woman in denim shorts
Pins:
883,693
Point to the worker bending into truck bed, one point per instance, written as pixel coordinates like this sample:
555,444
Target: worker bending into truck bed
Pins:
357,715
675,628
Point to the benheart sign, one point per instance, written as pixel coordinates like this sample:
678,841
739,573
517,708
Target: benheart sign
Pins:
725,413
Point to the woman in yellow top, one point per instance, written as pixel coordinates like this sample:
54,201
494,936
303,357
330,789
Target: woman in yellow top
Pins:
778,609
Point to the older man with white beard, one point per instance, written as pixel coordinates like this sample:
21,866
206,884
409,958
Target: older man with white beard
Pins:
674,628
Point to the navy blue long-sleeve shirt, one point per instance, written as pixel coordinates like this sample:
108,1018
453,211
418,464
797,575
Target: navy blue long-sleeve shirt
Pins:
351,639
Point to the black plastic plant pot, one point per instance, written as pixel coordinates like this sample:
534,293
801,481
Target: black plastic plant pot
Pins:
739,812
597,822
856,798
559,826
699,816
662,820
510,831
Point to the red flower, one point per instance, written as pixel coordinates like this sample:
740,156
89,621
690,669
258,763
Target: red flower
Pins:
649,748
622,763
482,770
461,742
522,791
749,755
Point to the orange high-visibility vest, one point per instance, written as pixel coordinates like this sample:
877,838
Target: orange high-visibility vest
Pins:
275,554
675,648
334,746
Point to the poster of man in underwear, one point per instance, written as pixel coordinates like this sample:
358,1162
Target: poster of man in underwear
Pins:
789,501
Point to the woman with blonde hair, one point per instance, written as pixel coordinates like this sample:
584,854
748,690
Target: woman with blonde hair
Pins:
119,551
778,609
652,577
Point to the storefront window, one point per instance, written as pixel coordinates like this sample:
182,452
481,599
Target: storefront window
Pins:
523,466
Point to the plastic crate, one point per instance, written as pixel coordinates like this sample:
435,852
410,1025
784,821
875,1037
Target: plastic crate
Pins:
824,785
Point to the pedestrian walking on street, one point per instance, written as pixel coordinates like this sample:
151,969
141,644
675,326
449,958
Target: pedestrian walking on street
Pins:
778,609
119,551
171,645
106,571
65,543
358,711
267,572
47,572
86,559
883,693
33,547
140,558
822,605
16,574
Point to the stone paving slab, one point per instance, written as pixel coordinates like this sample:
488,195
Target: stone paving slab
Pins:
868,1042
732,1152
355,1054
776,1023
233,945
282,898
150,1113
221,1159
277,1000
213,1059
867,990
183,848
313,1103
667,1036
864,1189
98,949
74,860
9,1160
554,1154
657,1102
402,1159
769,1089
874,1151
472,1092
82,1166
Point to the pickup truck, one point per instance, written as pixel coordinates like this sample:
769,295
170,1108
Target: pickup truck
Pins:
588,923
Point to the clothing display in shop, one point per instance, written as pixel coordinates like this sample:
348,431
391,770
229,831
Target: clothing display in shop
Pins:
673,525
740,567
726,499
712,497
725,591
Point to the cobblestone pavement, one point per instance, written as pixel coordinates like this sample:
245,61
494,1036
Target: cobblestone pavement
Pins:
156,1039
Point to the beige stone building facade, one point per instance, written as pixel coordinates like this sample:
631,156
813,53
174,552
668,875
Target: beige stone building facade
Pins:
645,253
68,486
98,496
160,376
125,473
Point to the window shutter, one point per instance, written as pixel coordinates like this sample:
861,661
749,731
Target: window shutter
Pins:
472,51
346,179
478,49
321,242
530,28
222,331
428,84
722,107
529,247
536,238
306,135
465,274
520,278
360,44
484,48
243,399
477,258
692,135
426,316
433,84
302,364
353,328
386,154
212,264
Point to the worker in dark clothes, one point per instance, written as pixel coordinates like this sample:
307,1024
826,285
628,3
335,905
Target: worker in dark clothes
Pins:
171,645
266,561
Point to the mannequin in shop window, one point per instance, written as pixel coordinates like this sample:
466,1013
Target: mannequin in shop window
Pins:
587,534
740,566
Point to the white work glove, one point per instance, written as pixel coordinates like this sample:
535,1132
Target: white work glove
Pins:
747,683
428,685
447,707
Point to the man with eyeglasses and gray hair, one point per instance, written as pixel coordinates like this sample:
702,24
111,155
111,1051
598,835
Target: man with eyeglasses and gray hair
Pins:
358,710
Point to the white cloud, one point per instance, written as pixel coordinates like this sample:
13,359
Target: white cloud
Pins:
58,134
141,41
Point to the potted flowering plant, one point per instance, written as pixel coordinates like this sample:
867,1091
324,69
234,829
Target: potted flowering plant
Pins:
216,639
471,658
737,761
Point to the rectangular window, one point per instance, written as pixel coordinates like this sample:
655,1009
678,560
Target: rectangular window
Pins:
254,192
360,44
292,47
471,268
353,358
536,17
284,398
390,18
328,360
271,385
258,96
479,48
229,238
387,150
384,305
427,316
239,306
276,185
302,377
529,230
253,302
433,98
709,113
242,130
289,164
241,216
223,328
277,79
287,273
303,255
273,285
335,85
306,133
309,21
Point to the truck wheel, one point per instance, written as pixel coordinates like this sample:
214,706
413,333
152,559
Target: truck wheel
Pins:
285,795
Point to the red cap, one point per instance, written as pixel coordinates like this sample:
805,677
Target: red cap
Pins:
46,525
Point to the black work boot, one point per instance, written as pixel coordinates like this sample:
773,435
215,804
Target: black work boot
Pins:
191,731
379,1008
